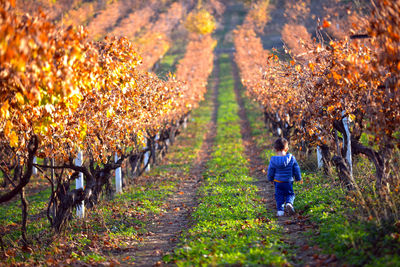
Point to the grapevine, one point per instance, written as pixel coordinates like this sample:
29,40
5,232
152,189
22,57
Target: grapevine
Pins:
92,97
307,98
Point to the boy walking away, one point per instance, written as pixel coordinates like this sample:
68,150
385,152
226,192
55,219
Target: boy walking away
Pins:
281,170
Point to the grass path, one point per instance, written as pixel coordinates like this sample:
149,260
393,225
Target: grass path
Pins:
230,223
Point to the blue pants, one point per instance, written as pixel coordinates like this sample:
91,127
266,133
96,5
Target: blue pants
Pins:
283,193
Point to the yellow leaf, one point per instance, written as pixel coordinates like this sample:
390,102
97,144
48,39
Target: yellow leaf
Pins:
311,66
110,112
83,131
13,139
4,110
20,98
7,128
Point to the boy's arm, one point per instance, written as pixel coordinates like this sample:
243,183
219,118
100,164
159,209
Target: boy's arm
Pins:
271,173
296,171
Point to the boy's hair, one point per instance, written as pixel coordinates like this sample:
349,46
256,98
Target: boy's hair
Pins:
280,144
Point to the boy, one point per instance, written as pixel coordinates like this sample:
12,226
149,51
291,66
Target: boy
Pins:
281,170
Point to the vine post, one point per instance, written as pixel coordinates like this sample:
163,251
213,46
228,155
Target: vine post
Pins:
347,145
34,169
80,210
118,176
319,158
146,160
185,123
278,130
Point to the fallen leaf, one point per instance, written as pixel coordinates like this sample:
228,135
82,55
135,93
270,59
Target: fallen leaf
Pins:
305,247
26,249
51,262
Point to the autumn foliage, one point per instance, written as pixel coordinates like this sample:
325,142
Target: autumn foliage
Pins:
355,78
200,22
61,94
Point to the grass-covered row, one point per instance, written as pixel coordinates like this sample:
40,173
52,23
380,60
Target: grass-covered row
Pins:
110,227
230,224
340,231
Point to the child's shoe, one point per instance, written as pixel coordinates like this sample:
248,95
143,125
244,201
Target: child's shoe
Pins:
289,209
280,213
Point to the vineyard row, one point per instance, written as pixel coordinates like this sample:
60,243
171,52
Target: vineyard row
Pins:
61,95
340,96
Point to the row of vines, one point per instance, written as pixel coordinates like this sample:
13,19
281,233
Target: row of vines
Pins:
61,95
337,92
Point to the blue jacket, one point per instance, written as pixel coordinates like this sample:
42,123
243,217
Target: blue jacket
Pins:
283,168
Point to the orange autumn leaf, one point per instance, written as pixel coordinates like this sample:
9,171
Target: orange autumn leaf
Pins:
326,24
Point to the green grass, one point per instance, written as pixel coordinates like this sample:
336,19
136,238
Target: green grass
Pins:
168,65
231,224
341,232
11,218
